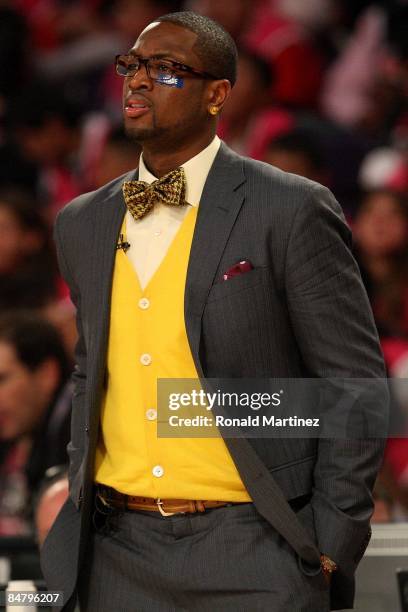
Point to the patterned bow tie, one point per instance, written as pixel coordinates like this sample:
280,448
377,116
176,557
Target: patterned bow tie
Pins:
140,197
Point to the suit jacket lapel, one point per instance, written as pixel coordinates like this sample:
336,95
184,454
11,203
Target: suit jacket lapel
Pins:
219,206
107,224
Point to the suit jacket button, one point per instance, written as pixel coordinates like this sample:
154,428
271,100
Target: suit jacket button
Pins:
87,430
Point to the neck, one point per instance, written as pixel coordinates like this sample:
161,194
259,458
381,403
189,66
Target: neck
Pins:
160,161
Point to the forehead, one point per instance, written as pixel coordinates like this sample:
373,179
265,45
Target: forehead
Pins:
382,201
162,38
8,355
6,213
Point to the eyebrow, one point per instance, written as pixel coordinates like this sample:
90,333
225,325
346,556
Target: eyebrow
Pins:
162,55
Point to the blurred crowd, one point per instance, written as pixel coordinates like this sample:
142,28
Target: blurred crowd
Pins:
322,92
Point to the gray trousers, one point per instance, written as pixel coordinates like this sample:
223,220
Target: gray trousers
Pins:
226,559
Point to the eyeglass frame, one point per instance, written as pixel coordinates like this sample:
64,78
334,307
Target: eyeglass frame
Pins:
176,65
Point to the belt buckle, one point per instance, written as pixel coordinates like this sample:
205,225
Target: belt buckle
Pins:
162,512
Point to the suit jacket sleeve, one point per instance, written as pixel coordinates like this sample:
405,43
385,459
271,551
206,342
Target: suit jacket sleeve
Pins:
335,331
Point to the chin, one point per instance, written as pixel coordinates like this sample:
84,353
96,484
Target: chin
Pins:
138,134
143,135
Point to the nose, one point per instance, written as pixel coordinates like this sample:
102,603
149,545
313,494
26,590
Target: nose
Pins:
140,80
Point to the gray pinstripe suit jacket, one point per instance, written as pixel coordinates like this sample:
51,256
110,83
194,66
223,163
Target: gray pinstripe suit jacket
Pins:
301,312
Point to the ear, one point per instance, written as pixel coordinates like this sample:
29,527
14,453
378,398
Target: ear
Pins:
218,93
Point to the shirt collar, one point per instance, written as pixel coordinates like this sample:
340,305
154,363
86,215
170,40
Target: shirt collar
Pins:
196,170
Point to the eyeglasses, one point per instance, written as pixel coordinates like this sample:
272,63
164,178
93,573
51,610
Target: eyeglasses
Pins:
156,69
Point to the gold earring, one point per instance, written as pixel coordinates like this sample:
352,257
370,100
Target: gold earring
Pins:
213,110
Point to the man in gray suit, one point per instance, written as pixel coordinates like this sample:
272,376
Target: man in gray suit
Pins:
249,524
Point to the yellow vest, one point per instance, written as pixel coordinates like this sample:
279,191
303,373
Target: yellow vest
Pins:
147,341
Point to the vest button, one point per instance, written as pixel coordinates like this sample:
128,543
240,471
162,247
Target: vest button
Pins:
145,359
151,414
158,471
144,303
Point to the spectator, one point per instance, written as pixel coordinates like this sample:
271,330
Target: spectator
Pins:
132,17
251,94
285,44
297,152
346,95
235,17
119,155
381,233
34,413
28,270
47,127
366,87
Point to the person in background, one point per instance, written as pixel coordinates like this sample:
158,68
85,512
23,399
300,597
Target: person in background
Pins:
286,44
35,406
29,276
365,87
381,236
119,155
297,152
249,97
132,17
28,269
46,126
235,17
381,233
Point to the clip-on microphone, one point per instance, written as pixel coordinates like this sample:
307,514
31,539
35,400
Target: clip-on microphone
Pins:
122,244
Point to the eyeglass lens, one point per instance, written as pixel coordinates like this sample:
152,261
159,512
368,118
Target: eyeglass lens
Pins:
156,69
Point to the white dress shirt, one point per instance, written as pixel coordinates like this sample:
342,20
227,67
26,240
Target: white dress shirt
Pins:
151,236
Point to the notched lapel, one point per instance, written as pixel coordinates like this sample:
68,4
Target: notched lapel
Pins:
219,207
107,224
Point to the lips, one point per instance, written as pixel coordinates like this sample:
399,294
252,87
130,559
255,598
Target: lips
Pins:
135,107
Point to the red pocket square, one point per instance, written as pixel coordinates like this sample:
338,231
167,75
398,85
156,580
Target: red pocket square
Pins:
240,268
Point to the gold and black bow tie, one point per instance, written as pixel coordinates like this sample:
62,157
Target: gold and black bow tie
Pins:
140,197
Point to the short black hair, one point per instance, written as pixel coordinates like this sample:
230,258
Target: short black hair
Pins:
25,211
34,340
215,46
41,102
299,141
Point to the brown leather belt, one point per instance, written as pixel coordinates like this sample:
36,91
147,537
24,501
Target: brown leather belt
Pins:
166,507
